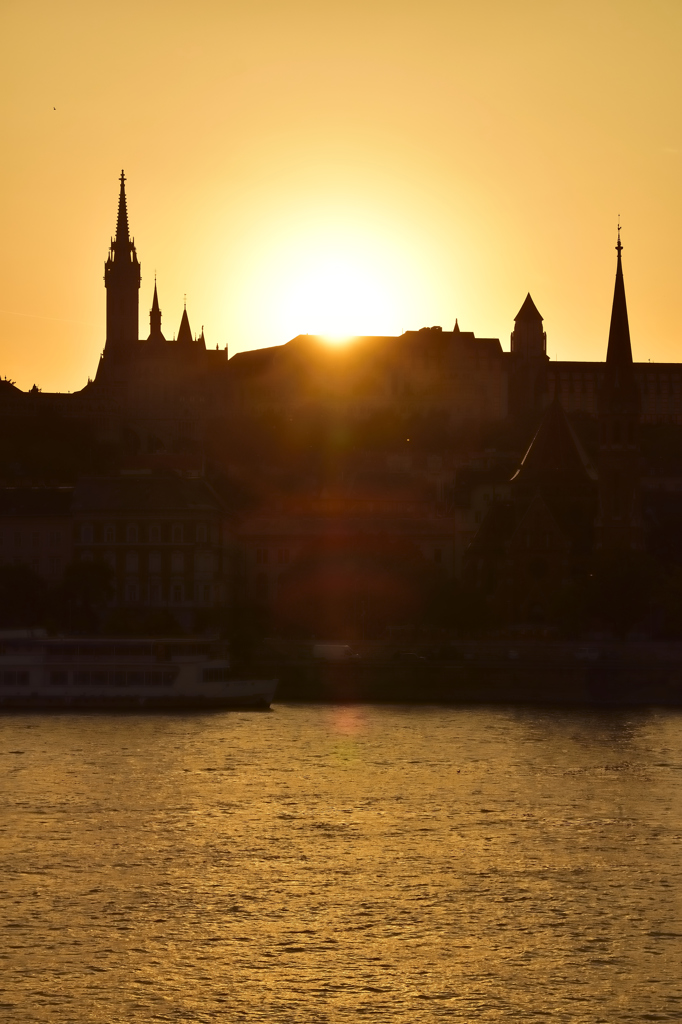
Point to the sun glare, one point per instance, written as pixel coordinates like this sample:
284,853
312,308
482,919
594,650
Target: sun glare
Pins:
337,296
333,280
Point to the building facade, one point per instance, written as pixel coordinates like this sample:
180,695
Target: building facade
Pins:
35,529
165,538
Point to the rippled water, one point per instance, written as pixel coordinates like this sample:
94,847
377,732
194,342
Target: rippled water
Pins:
319,864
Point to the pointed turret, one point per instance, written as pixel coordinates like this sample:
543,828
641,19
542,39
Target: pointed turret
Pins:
122,281
155,318
529,312
184,334
619,524
528,338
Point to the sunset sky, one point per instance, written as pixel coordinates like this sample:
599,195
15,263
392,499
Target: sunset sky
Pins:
348,167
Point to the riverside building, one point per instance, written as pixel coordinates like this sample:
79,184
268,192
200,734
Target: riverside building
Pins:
160,393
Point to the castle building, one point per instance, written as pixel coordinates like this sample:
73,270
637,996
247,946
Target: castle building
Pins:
158,393
431,372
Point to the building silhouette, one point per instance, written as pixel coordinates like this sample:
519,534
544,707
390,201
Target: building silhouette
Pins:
407,516
161,393
561,511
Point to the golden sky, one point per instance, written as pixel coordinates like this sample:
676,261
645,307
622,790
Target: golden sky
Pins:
362,166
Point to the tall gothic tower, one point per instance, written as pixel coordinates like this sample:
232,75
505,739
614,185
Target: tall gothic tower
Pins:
619,523
122,282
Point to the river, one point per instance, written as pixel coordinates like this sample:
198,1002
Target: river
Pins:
356,863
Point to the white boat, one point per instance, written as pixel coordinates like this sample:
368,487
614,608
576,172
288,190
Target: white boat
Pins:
37,671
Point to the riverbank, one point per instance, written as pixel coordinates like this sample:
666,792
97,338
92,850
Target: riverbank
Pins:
627,673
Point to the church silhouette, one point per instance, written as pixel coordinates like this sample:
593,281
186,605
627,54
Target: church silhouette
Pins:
318,471
163,393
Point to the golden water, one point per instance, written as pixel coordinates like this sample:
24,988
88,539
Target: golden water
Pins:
320,864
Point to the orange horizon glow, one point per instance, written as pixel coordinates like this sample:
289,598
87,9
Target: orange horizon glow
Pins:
336,171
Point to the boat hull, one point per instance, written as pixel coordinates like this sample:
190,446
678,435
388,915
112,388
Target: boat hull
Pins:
42,673
257,695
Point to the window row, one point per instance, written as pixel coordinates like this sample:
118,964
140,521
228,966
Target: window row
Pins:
177,593
618,432
14,678
30,539
155,561
51,566
117,677
134,533
263,556
216,675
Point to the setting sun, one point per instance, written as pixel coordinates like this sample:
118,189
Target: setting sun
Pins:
336,295
332,279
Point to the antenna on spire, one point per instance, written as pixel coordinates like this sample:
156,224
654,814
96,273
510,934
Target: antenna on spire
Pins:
185,300
619,247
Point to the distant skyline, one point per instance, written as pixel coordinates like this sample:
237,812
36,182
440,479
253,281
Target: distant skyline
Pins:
344,168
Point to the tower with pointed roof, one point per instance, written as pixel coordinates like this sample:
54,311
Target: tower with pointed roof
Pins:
527,364
528,338
185,333
619,522
122,282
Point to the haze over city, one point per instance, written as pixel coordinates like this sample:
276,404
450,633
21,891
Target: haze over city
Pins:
339,169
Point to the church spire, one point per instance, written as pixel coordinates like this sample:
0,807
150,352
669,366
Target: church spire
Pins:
619,523
122,229
619,351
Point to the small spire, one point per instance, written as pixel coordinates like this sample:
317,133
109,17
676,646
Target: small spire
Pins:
185,334
455,329
155,315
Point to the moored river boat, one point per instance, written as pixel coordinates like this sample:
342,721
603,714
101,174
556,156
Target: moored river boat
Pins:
37,671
